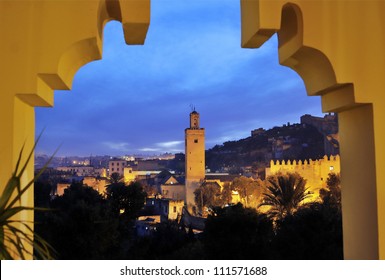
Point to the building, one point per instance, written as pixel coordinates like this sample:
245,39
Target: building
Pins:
117,166
168,209
147,225
195,158
171,187
99,184
257,132
315,172
79,170
328,127
130,175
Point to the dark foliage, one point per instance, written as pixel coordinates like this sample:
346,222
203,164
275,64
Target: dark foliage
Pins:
331,195
237,233
168,242
84,225
314,232
80,225
127,200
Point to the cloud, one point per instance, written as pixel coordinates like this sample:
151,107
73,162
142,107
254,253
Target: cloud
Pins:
137,97
170,144
162,147
117,146
149,149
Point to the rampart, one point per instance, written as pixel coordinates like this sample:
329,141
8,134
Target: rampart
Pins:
314,171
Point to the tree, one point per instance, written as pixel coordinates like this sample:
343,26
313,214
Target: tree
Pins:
285,194
248,189
227,193
126,200
208,195
115,178
165,243
237,233
331,195
81,225
312,233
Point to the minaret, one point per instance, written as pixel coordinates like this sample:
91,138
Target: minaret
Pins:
195,159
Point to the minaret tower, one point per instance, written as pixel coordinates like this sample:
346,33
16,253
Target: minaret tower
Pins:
195,158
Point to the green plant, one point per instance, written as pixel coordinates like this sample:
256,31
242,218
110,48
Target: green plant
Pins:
285,194
17,235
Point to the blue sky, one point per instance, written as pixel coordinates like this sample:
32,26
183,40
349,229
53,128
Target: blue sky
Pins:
136,100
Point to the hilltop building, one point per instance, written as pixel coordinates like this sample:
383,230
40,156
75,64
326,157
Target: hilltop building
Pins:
328,127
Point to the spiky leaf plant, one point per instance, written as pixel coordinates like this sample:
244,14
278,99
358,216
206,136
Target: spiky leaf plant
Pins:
285,194
15,234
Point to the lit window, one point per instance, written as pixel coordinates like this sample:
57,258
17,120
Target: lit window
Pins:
331,168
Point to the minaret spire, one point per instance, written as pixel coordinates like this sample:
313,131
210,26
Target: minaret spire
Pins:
195,159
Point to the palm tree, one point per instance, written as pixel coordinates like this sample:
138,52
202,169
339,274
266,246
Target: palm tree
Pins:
285,194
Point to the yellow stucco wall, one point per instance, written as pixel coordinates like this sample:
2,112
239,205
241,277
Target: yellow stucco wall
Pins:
43,44
337,48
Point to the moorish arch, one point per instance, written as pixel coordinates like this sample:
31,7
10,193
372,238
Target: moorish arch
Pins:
43,44
335,46
337,49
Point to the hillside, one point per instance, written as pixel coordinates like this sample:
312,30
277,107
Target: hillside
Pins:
296,141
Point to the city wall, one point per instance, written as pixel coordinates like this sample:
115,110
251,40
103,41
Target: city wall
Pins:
314,171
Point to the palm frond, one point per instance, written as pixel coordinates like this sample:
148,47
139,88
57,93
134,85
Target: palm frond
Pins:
16,234
284,195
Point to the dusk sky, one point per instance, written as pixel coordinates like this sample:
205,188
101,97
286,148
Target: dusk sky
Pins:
136,100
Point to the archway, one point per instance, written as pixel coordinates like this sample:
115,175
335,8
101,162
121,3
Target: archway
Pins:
61,38
312,47
46,42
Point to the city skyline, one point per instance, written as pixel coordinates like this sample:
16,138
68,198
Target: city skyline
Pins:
136,100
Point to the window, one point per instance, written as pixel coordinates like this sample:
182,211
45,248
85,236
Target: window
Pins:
174,209
112,163
195,140
117,169
112,169
331,168
117,163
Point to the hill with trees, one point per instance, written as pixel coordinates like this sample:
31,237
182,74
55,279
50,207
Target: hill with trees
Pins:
297,141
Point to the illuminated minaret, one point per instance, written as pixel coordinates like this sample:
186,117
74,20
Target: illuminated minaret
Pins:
195,158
